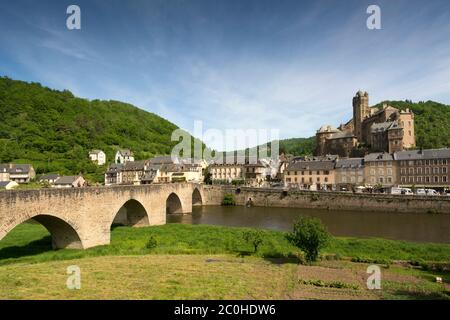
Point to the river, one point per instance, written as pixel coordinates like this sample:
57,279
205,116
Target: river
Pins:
416,227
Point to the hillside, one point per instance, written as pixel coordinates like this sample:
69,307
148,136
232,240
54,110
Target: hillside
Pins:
54,130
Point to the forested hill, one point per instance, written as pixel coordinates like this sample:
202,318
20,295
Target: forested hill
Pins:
55,131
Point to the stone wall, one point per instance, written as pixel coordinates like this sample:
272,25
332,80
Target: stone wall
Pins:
329,200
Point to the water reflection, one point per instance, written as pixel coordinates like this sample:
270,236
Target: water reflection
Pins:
400,226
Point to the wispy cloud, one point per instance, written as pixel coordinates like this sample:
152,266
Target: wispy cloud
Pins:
291,66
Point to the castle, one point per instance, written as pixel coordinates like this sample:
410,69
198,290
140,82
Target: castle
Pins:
386,129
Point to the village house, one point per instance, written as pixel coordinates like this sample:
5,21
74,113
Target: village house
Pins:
349,173
70,182
133,171
181,173
317,173
8,185
98,157
226,173
123,156
424,168
380,170
20,173
113,174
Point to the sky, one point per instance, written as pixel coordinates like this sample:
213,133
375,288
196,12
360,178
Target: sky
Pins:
247,64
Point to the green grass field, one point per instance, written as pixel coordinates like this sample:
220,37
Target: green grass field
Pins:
212,262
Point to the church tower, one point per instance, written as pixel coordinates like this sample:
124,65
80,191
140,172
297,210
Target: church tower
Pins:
361,111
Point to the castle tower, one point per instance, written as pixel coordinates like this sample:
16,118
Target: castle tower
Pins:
406,120
361,111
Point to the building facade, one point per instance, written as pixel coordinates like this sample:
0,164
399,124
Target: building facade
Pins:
311,174
380,170
350,173
424,168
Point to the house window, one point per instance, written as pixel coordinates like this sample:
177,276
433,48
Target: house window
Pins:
411,179
436,179
444,179
427,179
326,179
419,170
344,179
372,172
389,179
444,169
435,170
403,171
381,180
389,171
318,179
411,170
444,161
403,179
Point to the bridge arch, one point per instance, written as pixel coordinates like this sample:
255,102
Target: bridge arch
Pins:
173,204
197,199
131,213
64,234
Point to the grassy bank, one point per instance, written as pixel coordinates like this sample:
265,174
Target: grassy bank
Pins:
208,262
31,243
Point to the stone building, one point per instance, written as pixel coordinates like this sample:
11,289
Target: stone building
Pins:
311,173
380,169
424,168
350,173
133,171
20,173
384,129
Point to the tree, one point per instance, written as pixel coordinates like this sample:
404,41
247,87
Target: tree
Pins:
310,236
228,200
254,237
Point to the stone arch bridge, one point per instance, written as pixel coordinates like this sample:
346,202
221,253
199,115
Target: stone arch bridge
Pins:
82,217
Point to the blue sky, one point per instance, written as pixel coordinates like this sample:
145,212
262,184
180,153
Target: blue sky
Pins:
287,65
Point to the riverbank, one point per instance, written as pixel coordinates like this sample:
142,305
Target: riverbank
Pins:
207,262
31,243
293,198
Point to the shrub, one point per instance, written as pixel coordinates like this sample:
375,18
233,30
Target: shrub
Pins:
151,243
228,200
254,237
310,236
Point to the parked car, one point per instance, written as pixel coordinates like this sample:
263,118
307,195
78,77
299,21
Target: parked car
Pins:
421,192
403,191
431,192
